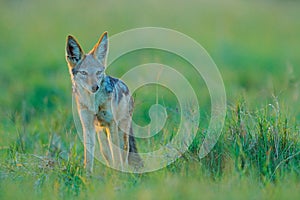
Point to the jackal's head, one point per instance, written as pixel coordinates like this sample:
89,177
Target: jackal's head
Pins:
87,70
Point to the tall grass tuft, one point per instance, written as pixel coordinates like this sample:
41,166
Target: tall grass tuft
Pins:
264,142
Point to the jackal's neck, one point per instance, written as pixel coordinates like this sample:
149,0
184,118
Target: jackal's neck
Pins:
85,99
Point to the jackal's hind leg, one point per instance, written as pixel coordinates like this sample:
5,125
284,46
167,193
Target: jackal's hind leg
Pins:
118,143
123,145
134,158
104,148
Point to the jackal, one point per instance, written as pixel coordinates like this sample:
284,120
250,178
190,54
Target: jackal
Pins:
104,106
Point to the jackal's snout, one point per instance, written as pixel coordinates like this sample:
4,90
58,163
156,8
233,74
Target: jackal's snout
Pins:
95,88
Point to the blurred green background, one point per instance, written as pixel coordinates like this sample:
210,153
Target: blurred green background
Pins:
255,44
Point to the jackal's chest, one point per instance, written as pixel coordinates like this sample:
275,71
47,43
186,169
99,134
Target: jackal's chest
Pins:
104,114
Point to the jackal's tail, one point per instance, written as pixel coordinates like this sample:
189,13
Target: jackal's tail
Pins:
134,158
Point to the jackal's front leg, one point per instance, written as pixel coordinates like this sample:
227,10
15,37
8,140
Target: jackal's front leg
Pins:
89,133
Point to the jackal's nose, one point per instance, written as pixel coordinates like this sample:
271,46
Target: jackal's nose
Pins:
95,88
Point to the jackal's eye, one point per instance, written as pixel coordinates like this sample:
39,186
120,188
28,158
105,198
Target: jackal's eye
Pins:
98,73
83,73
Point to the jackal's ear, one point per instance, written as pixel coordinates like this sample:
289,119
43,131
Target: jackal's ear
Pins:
101,48
74,52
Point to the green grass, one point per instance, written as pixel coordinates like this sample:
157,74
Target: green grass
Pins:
256,47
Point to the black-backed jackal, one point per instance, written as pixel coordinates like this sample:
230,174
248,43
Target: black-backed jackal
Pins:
104,106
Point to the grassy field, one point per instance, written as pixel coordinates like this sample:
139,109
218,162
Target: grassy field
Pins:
256,47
